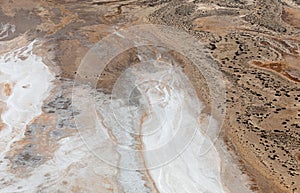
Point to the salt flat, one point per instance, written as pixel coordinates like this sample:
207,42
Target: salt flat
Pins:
150,121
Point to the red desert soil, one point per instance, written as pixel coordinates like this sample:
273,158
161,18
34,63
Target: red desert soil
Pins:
255,44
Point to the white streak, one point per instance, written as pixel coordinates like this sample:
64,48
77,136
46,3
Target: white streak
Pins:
30,80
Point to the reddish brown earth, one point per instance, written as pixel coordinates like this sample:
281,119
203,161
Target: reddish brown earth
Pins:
256,45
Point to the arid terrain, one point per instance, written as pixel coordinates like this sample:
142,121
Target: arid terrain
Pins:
254,43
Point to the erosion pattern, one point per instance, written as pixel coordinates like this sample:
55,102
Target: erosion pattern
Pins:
254,42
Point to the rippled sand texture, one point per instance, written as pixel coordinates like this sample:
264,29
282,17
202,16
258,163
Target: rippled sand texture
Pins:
48,143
